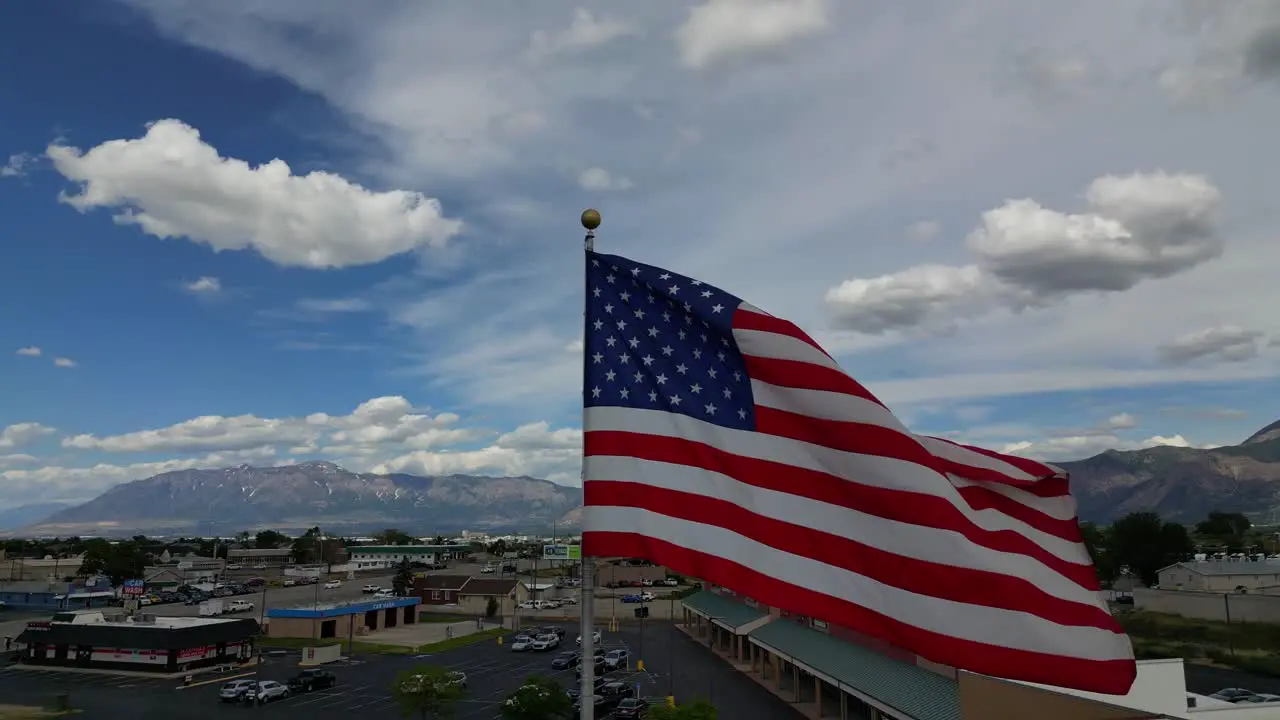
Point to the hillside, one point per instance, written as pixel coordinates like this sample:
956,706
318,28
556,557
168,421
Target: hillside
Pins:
1182,484
301,496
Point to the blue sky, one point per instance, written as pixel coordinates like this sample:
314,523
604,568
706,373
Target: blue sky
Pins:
260,233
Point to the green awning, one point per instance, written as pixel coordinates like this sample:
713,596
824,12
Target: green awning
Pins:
910,690
726,611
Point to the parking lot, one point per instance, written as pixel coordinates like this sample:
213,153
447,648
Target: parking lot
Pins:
673,663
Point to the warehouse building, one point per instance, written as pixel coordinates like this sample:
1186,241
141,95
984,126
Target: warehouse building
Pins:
373,557
96,639
341,620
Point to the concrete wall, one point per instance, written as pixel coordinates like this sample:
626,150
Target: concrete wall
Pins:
983,698
624,573
344,626
1236,607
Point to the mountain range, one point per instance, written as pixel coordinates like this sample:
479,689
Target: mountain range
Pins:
1181,484
297,497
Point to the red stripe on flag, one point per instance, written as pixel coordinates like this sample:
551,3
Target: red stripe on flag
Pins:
866,439
805,376
747,320
1026,465
1113,677
898,505
922,577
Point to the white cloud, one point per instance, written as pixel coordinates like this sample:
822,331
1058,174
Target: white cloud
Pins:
717,30
16,165
205,286
334,305
30,351
170,183
585,32
924,230
22,434
575,347
1121,421
1227,343
63,362
1083,446
533,449
600,179
1232,46
16,459
1139,227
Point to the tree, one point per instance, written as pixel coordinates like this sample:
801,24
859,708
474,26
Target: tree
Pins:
392,536
403,580
540,698
1096,541
268,539
1229,528
491,608
1144,544
697,710
121,561
439,540
314,547
497,548
426,691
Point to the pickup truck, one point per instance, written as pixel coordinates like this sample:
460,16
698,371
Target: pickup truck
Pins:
309,680
239,606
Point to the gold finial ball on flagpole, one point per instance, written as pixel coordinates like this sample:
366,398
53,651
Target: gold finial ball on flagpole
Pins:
591,218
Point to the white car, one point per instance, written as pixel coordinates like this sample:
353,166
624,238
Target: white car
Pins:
569,600
488,569
266,691
670,582
528,605
647,597
332,584
545,642
370,589
384,593
521,643
615,658
595,638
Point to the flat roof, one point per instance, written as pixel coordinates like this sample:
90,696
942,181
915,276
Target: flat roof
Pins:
393,549
338,609
161,622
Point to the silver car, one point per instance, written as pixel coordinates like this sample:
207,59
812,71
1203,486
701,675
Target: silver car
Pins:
265,691
234,691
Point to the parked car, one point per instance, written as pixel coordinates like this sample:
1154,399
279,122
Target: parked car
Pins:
615,658
234,691
528,605
370,589
313,679
385,593
569,600
265,691
564,661
456,677
631,709
488,569
239,606
332,584
599,682
595,637
671,582
509,568
542,643
600,668
521,643
617,690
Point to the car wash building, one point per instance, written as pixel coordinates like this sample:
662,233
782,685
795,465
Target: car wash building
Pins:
95,639
342,620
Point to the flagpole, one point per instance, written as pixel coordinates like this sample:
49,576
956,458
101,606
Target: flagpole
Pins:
587,685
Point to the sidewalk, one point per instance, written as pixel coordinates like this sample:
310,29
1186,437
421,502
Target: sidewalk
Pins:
419,634
809,709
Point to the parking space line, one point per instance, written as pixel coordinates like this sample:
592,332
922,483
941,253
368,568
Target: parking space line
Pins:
222,679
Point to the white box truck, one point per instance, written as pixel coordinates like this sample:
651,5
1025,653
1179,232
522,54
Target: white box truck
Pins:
211,608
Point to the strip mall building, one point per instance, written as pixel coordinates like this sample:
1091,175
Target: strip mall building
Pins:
832,672
158,644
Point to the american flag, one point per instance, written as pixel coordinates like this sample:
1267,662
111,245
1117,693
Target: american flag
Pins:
725,444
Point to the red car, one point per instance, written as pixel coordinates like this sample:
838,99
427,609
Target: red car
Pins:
631,708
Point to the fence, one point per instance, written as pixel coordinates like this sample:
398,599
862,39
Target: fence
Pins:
1222,607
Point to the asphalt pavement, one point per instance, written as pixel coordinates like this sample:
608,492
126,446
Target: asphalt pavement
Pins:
673,663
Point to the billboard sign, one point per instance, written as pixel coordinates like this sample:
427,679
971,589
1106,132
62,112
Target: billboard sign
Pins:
134,587
561,552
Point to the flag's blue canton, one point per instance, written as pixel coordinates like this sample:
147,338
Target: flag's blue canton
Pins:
661,341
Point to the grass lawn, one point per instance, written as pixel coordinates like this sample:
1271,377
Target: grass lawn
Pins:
24,712
1244,646
379,649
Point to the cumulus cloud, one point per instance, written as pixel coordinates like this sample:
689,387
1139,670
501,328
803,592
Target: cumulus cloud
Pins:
29,351
1138,227
16,165
586,31
718,30
1227,343
1077,447
204,286
64,362
334,305
600,179
170,183
22,433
